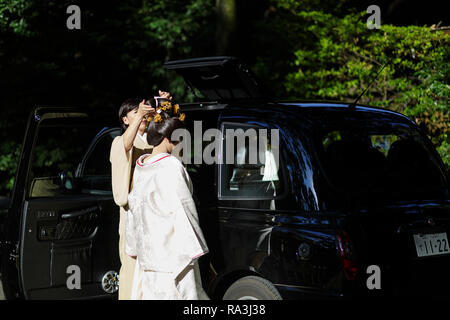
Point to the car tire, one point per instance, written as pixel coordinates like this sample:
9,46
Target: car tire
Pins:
252,288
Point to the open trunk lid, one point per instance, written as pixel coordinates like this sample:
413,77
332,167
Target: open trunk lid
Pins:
218,78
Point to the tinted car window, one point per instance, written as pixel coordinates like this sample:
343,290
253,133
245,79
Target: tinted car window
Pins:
61,144
370,158
96,169
251,170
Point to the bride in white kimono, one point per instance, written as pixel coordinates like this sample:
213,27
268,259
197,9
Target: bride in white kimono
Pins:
162,229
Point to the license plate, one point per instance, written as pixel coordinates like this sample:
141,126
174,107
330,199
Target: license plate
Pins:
431,244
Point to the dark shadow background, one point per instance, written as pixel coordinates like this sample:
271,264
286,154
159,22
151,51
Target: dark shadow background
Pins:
120,49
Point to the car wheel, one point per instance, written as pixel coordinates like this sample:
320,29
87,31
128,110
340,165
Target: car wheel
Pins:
252,288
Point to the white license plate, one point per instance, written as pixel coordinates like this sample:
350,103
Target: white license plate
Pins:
431,244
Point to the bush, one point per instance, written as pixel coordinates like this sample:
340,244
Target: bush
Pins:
335,58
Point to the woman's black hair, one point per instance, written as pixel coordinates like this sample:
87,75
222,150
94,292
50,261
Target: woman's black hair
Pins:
157,131
127,106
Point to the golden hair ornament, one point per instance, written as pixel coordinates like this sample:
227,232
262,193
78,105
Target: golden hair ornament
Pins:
157,118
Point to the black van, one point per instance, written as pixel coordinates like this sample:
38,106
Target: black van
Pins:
358,204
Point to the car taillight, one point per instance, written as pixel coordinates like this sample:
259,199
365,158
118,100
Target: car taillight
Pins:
346,251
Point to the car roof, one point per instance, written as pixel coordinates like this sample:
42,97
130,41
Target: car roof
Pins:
336,106
290,108
304,108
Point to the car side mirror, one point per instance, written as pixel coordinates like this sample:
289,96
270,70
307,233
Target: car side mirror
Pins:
67,183
4,203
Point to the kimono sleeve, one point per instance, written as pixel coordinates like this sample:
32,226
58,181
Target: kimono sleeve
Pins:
120,171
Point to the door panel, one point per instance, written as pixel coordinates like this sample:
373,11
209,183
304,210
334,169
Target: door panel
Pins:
69,221
67,231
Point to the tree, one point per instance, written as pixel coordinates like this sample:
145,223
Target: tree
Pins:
226,25
314,49
335,58
117,54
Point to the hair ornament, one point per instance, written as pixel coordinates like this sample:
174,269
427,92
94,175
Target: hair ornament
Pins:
176,109
168,108
157,118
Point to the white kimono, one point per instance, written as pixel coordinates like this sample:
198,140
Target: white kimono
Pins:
163,232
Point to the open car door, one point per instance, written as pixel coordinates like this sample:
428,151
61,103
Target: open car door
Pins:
68,237
218,78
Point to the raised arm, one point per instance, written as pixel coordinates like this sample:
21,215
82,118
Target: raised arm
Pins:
134,123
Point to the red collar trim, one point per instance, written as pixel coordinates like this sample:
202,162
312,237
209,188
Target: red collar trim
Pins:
138,162
160,159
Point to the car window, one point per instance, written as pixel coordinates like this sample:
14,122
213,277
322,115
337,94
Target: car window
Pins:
95,170
250,165
60,146
387,162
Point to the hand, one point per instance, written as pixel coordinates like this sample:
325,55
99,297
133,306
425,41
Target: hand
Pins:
145,109
166,95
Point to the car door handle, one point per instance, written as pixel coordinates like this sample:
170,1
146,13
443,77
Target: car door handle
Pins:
80,212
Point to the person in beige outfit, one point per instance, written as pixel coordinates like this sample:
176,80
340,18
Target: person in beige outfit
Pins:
125,150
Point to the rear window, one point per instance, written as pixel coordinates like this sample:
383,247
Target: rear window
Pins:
377,161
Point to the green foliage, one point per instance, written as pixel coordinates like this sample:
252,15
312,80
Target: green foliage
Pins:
315,49
117,54
9,155
12,17
336,58
167,30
